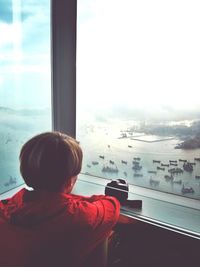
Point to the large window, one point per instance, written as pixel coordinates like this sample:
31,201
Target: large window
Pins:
138,86
25,81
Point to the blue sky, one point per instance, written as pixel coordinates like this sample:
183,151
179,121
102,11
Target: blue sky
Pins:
25,54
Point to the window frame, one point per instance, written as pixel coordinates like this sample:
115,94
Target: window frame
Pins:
63,54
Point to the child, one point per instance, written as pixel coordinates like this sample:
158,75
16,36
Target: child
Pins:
48,226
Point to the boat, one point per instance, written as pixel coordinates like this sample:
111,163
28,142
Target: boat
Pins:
187,166
172,161
137,158
152,172
197,176
154,182
160,168
198,159
137,167
169,177
156,161
111,162
183,160
164,165
11,181
109,169
123,161
186,190
95,162
101,157
173,164
129,146
135,162
175,170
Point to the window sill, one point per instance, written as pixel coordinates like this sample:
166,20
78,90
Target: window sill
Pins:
156,209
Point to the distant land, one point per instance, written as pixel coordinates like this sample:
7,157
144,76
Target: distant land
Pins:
191,143
189,135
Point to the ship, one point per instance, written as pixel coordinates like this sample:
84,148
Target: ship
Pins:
11,181
175,170
172,161
160,168
109,169
152,172
187,166
183,160
164,165
156,161
137,167
173,164
169,177
177,182
137,158
95,162
154,182
186,190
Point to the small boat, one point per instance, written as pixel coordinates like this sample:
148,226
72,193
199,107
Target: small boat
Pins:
164,165
95,162
160,168
154,182
187,166
175,170
137,167
183,160
172,161
177,181
111,162
129,146
11,181
109,169
137,158
173,164
186,190
156,161
169,177
123,161
101,157
197,176
198,159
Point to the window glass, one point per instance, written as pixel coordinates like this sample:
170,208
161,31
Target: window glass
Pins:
25,87
138,104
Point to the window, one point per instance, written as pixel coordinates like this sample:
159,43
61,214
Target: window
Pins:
25,81
137,93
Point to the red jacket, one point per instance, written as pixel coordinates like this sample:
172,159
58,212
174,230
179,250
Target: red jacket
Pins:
53,229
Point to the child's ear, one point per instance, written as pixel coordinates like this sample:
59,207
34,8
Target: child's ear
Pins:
70,184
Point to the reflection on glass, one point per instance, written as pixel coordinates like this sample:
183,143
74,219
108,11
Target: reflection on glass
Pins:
137,101
25,104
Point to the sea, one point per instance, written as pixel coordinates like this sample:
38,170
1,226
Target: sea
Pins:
105,146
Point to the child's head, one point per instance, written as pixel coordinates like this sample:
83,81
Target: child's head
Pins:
50,160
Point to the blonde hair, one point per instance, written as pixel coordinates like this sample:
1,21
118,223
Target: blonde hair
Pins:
49,159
